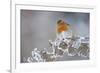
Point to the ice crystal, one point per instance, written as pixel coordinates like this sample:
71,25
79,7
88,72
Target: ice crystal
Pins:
65,42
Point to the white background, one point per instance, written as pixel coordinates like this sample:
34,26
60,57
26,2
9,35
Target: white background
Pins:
5,36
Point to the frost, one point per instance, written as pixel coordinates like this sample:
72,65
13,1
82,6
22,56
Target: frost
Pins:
65,42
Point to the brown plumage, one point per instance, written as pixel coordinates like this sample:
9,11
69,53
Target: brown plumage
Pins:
62,26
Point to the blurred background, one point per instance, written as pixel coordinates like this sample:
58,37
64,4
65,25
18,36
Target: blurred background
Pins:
37,27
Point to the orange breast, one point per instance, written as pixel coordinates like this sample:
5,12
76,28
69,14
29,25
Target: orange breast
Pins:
62,27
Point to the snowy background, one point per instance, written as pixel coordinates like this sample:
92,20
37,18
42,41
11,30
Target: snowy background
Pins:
37,27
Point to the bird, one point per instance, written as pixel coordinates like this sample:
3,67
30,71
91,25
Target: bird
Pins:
62,26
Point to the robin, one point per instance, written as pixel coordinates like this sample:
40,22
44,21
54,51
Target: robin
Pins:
62,26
